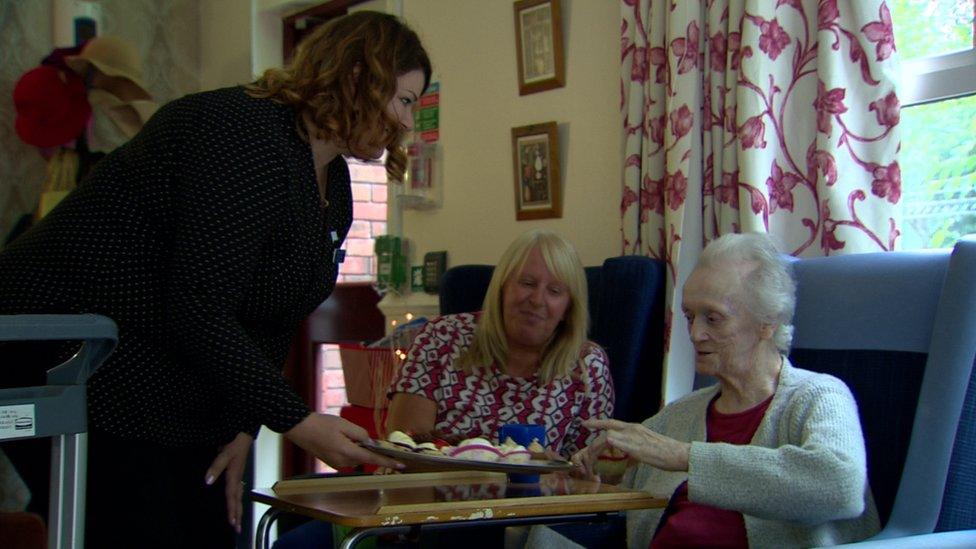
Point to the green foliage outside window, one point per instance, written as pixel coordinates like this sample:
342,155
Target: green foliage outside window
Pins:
931,27
938,149
938,159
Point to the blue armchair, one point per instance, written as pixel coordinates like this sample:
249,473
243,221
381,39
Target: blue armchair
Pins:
900,329
626,301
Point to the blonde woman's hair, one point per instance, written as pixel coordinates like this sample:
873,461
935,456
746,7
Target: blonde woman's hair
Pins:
562,351
342,78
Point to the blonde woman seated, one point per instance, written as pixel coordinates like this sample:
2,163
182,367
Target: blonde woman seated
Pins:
770,456
523,359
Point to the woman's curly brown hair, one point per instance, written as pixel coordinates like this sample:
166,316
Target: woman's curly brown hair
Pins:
342,78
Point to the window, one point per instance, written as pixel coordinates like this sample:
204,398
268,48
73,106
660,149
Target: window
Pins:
936,45
369,221
318,376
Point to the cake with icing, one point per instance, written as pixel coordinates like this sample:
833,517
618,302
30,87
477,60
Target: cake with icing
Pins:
401,439
537,450
428,448
513,452
476,449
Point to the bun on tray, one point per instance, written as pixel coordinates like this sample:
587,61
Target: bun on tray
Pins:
513,452
474,449
402,439
536,450
477,449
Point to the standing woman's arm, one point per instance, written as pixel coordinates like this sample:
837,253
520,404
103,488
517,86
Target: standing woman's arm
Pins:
227,200
231,197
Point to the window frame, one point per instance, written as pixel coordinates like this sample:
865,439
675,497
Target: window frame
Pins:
937,78
932,79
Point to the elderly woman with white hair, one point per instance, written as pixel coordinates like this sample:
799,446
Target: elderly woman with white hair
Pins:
524,358
771,455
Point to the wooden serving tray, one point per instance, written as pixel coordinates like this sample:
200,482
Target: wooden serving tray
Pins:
416,498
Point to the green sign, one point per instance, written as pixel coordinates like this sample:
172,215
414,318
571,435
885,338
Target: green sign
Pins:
417,278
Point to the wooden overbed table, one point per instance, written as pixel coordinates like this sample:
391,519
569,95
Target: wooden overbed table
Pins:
378,504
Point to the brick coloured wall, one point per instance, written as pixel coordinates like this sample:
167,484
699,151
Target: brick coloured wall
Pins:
369,221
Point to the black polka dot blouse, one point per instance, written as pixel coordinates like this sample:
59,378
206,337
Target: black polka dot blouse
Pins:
205,239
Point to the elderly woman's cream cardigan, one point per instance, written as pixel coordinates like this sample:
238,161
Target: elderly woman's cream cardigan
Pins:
801,482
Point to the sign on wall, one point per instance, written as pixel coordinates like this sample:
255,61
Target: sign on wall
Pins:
426,119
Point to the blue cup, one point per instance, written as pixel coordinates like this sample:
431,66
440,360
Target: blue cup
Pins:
522,433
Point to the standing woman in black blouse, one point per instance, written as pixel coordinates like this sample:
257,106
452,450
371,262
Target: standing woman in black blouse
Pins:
208,238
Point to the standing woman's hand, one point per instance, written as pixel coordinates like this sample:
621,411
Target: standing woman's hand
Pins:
643,444
232,459
333,440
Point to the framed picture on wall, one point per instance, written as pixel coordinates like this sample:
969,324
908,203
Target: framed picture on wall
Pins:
539,45
535,152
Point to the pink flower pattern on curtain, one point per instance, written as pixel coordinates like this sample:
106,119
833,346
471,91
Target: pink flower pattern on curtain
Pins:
781,116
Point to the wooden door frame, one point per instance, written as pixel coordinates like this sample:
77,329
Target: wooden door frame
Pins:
300,368
349,315
324,11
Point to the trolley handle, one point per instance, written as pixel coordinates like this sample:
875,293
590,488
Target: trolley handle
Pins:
99,333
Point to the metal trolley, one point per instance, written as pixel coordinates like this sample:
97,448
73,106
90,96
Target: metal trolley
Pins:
58,410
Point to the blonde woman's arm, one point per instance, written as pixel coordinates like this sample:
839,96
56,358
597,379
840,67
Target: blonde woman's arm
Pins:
411,413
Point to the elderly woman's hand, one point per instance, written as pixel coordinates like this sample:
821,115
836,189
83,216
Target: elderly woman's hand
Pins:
643,444
584,461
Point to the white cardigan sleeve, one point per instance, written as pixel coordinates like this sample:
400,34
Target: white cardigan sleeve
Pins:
814,472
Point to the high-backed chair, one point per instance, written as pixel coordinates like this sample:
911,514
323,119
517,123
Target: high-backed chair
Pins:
626,301
900,329
959,498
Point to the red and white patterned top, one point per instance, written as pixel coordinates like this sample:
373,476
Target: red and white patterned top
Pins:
477,404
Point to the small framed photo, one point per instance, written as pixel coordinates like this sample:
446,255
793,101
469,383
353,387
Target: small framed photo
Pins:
539,44
535,151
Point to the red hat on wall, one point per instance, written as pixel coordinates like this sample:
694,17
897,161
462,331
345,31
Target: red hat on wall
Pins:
52,106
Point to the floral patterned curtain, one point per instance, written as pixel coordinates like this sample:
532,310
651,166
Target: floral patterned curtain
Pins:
750,115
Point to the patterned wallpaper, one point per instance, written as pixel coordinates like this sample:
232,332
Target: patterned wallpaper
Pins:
167,34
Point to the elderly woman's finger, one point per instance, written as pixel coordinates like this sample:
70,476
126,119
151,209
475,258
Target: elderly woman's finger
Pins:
609,424
579,467
652,448
583,463
621,441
